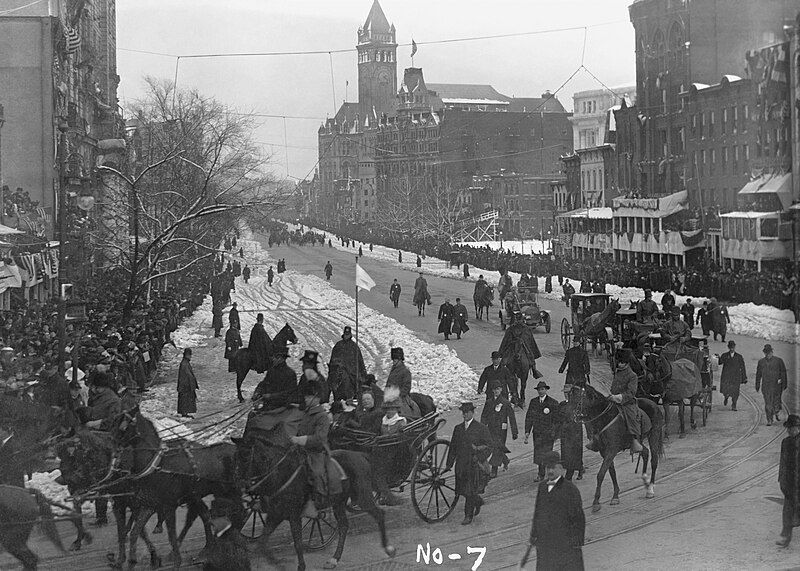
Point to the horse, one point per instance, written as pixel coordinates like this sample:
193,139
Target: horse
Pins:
20,510
674,383
483,297
601,416
341,381
243,360
165,477
421,297
279,476
519,352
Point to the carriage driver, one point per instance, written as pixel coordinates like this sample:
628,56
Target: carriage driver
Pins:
312,435
676,329
647,309
623,393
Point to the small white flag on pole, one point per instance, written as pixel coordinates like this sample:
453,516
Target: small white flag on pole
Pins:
363,280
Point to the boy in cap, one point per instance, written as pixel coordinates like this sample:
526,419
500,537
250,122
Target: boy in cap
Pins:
541,421
772,371
789,479
470,446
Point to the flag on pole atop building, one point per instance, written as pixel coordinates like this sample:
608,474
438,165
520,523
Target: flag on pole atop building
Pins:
363,280
413,48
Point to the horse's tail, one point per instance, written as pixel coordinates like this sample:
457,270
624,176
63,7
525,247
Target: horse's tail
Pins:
47,523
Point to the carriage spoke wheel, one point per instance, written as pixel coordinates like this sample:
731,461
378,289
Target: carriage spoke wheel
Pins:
566,334
433,492
320,531
254,520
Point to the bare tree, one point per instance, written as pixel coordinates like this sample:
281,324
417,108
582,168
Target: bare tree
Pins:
192,170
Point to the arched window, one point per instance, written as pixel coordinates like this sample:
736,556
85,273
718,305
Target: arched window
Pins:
676,44
660,49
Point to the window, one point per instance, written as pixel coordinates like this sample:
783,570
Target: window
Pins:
734,118
724,159
710,123
769,227
735,160
701,132
713,161
694,125
724,120
664,101
746,154
745,117
594,180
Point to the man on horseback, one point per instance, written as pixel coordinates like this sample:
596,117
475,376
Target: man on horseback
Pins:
312,436
259,345
520,351
623,393
279,386
421,294
348,355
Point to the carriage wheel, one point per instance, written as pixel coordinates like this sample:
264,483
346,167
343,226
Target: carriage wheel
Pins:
547,324
566,334
433,492
254,520
319,532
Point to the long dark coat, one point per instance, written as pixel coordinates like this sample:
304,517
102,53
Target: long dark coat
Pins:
571,434
187,388
445,318
233,341
233,318
281,382
719,319
733,374
394,291
498,416
502,375
467,448
626,383
789,479
259,348
349,354
105,405
542,421
460,317
559,527
771,379
421,294
576,362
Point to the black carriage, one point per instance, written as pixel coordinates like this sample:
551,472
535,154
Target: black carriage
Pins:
582,306
455,258
522,303
419,459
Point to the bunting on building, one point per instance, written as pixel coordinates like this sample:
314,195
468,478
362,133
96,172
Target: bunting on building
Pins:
72,39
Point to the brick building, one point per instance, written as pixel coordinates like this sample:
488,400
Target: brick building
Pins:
590,114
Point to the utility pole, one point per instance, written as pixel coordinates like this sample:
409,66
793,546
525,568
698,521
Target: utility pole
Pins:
62,224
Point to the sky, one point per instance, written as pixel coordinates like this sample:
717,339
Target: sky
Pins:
308,88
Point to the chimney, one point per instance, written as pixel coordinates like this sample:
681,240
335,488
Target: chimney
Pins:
546,94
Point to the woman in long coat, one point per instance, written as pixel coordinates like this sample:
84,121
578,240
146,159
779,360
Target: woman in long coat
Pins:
187,386
497,415
733,374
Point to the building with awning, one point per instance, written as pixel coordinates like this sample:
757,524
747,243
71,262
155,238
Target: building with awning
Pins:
752,238
586,232
656,230
767,193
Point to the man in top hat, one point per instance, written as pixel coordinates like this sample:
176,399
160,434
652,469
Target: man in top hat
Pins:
233,317
400,377
646,310
676,329
559,523
348,355
542,422
470,447
771,371
499,373
259,345
733,374
576,362
233,342
460,317
228,551
310,361
789,479
279,386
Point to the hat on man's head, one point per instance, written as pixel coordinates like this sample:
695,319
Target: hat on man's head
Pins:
310,357
731,344
397,353
466,406
347,331
792,420
767,348
551,459
542,385
496,355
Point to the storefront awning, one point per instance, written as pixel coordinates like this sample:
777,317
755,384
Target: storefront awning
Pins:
780,185
651,207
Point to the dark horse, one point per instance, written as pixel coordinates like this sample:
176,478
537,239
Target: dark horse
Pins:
604,419
243,360
279,475
341,381
674,382
483,297
20,510
519,352
168,476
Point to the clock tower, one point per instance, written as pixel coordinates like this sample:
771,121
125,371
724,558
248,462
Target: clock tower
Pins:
377,66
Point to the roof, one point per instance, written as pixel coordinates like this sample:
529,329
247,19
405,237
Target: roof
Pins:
473,101
536,104
780,185
747,214
467,91
376,20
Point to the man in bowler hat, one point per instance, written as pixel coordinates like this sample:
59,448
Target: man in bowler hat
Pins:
541,421
771,379
469,449
559,523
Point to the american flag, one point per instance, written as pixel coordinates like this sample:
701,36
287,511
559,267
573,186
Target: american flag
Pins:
73,40
43,214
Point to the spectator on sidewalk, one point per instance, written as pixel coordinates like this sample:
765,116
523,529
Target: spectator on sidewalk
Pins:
789,479
187,386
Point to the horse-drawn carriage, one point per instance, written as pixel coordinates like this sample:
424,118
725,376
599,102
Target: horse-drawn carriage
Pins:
590,316
521,303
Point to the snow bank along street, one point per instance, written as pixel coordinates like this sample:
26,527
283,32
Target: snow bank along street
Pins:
761,321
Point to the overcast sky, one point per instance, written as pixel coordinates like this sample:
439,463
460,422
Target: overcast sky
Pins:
302,86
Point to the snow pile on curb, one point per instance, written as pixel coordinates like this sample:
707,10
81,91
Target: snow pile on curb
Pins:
760,321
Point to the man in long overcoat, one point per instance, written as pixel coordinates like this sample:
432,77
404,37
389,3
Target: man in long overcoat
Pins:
559,523
348,355
733,374
623,392
445,318
541,421
498,415
259,345
216,317
280,382
233,317
400,377
719,318
576,362
571,434
394,292
498,372
233,342
789,479
470,446
187,386
772,371
460,317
